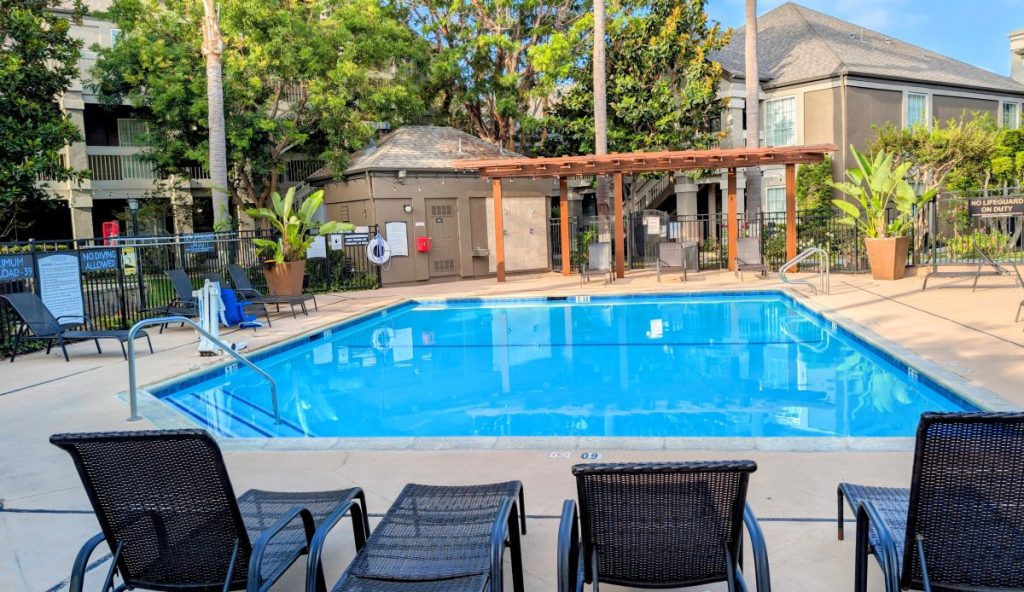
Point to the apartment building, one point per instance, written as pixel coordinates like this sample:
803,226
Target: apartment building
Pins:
825,80
111,152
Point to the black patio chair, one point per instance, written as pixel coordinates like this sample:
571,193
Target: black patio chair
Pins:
184,304
599,260
244,287
671,256
436,539
659,525
170,517
748,256
37,321
960,526
257,304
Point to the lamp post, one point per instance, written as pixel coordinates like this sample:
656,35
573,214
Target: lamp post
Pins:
133,206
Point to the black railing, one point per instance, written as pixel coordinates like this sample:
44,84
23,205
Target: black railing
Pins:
123,279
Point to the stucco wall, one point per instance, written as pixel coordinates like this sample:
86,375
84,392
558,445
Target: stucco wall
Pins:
945,108
867,107
822,123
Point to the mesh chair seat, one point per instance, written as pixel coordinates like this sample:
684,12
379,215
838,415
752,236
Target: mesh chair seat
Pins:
435,538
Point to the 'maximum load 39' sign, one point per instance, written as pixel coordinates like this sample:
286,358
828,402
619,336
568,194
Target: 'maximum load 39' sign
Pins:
1009,205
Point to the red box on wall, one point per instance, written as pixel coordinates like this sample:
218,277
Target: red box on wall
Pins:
110,230
423,244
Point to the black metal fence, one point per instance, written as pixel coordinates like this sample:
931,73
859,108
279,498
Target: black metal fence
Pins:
123,279
957,234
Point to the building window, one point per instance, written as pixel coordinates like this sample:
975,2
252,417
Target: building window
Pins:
776,200
917,109
115,34
1011,115
780,122
130,132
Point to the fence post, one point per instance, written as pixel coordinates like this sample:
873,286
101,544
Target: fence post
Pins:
932,225
122,289
856,250
35,266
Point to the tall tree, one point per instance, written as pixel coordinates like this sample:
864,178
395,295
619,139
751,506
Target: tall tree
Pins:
38,61
600,72
752,82
484,56
213,47
662,88
299,76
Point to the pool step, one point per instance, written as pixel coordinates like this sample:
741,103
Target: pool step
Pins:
240,419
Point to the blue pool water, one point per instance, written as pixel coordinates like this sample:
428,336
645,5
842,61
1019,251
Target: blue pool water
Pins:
696,365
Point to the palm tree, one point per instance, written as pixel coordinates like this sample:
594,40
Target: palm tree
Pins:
753,86
213,47
600,103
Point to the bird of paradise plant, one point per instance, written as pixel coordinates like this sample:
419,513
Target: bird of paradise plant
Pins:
293,226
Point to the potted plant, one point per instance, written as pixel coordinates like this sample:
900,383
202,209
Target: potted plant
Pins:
286,265
876,186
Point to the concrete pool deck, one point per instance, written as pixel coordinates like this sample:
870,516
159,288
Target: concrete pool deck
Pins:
45,517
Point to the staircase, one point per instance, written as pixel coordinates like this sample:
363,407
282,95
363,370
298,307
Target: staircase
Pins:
651,193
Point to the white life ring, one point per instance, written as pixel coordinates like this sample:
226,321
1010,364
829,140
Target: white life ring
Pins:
378,251
382,338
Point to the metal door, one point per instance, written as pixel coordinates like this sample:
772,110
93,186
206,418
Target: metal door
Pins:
443,230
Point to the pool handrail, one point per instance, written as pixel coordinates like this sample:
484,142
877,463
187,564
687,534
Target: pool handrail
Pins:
132,384
823,270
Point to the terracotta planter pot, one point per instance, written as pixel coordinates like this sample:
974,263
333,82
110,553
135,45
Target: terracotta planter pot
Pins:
887,257
285,279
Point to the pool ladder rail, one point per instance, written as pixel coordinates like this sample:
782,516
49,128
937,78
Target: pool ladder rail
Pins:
823,270
133,385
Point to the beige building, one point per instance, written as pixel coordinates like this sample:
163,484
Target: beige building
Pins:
825,80
406,185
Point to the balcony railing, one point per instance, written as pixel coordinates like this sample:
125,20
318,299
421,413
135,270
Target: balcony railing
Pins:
115,163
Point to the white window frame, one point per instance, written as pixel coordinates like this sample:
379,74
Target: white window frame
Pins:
1017,107
767,133
768,198
927,107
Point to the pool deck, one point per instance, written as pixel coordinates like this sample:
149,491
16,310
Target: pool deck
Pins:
969,337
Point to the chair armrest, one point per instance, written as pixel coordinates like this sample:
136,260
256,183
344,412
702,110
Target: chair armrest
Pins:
85,320
762,574
499,531
867,516
82,562
314,568
570,565
259,548
248,293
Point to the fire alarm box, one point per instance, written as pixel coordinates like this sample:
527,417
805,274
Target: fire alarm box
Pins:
110,230
423,244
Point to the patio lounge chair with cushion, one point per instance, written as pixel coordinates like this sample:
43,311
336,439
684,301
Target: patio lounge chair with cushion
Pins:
183,304
748,256
659,525
960,526
437,539
257,304
245,289
37,319
170,517
599,260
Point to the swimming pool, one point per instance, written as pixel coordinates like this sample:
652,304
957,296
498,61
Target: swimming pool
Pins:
697,365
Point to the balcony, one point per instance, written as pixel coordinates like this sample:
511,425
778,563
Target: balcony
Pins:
119,167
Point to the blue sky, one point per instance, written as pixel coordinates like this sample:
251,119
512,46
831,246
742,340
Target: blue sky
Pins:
972,31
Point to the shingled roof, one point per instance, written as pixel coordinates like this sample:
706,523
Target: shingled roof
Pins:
418,148
797,44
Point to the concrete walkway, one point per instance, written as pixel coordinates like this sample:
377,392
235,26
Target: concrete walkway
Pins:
44,515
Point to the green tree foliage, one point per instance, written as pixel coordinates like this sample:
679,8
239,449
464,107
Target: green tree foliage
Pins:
814,188
487,58
38,62
309,76
662,88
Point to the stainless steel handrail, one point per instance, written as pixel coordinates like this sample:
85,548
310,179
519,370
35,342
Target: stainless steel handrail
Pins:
823,269
132,388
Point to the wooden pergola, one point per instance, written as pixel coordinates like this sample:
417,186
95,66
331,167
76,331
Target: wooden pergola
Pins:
617,165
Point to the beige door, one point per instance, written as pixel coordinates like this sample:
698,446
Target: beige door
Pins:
443,230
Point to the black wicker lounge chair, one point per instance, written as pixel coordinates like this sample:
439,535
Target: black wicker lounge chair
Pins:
37,321
748,256
659,525
183,304
169,515
960,526
257,304
437,539
244,287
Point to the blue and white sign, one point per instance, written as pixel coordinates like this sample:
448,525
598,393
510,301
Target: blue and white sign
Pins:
15,267
200,242
98,259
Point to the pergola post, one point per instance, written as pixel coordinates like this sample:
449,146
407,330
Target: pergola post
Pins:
563,214
732,223
499,229
620,235
790,211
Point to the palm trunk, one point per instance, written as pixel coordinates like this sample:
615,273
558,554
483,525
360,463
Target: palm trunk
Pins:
600,104
213,47
752,82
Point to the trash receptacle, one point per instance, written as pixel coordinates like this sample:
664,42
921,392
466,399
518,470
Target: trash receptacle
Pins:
690,255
